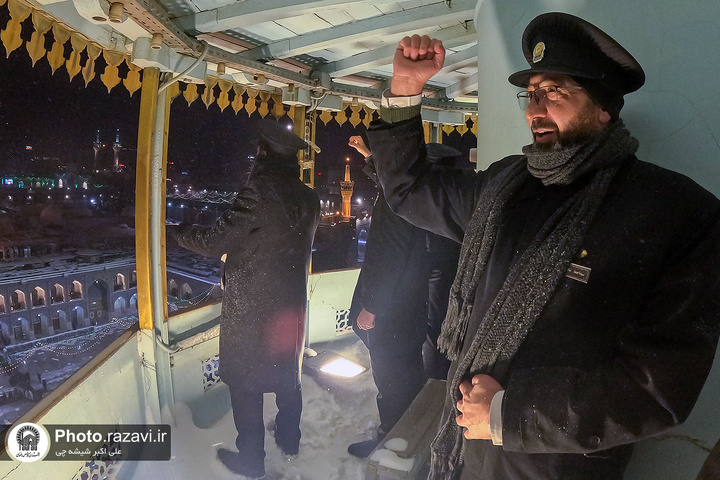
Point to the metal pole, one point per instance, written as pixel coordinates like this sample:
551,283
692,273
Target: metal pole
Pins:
143,192
157,211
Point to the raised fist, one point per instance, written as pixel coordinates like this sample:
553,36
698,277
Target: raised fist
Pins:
417,59
358,144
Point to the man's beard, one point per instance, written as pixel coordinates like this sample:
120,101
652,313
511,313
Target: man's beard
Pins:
579,131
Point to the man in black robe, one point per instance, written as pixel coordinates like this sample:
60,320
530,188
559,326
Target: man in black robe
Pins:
267,235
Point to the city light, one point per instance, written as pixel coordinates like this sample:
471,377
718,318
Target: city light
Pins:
331,363
342,367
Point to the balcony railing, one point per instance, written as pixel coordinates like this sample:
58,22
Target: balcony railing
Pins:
140,379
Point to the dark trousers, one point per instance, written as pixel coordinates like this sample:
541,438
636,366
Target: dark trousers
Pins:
248,416
439,283
397,366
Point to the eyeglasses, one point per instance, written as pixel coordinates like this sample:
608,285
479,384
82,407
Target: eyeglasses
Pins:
552,92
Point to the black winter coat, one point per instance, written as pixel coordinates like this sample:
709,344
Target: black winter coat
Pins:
609,362
267,235
393,281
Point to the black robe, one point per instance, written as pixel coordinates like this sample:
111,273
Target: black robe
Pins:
267,235
393,285
609,362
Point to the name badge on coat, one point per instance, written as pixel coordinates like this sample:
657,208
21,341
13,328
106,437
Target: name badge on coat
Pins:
578,272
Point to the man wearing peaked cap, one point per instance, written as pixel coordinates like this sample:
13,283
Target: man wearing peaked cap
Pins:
580,320
267,235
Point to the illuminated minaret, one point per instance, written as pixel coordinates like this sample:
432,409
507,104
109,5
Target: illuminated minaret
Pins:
97,146
346,190
116,148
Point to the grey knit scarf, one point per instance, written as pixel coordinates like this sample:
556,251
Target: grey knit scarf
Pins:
532,278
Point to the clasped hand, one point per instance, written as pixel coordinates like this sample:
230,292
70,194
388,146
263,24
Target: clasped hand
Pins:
477,395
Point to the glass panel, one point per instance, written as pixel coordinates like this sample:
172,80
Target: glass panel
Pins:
67,169
206,168
340,242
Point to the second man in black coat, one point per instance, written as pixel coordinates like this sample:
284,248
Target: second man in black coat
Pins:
390,306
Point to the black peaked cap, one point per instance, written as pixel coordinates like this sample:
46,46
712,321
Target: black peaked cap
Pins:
566,44
278,138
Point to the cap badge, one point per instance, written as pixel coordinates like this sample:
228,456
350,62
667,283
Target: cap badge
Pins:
538,52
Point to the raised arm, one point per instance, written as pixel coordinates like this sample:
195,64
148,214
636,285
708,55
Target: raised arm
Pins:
439,200
229,230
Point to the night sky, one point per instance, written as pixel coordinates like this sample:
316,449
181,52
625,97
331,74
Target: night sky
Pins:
60,118
57,117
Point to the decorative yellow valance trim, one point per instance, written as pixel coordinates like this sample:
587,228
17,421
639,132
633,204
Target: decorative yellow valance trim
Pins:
352,114
224,94
10,35
84,53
